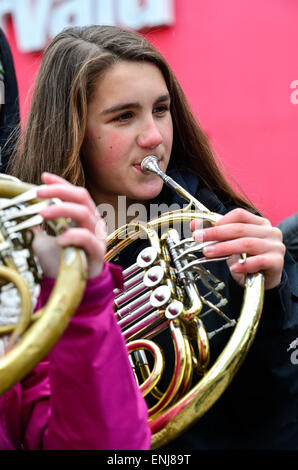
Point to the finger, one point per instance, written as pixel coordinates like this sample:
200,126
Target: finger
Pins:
250,246
51,178
196,224
101,231
94,249
83,238
234,216
237,230
68,193
242,216
271,263
77,212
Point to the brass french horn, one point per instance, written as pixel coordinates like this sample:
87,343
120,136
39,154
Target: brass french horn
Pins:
32,336
162,291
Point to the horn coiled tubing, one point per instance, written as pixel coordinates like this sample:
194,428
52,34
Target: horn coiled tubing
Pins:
172,417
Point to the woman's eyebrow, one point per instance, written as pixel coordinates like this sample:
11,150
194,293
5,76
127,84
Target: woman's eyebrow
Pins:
120,107
135,105
161,98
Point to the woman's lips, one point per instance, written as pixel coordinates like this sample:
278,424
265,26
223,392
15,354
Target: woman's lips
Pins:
137,166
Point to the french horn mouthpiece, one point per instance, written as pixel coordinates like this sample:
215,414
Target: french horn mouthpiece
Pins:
150,164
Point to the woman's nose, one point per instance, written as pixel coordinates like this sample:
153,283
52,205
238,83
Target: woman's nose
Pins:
149,136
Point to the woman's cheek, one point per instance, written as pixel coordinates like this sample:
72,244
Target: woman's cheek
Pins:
102,146
113,151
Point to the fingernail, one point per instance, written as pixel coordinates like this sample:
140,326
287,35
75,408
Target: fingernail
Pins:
235,268
40,192
43,213
208,250
198,235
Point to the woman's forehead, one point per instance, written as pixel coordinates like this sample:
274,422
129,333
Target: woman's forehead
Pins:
130,81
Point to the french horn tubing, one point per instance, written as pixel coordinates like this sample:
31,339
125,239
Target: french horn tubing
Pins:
32,335
162,292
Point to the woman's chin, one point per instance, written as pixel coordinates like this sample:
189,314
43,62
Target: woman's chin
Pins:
150,192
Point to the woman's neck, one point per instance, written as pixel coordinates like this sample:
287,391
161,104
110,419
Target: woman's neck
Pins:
118,210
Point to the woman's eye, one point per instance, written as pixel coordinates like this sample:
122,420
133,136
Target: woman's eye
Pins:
161,109
123,117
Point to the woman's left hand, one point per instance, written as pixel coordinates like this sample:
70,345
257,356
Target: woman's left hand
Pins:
88,233
240,231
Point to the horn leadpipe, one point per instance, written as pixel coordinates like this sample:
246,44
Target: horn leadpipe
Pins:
150,164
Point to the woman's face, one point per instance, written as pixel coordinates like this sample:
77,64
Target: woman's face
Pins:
128,119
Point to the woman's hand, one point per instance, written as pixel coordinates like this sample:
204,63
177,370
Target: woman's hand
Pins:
89,232
240,231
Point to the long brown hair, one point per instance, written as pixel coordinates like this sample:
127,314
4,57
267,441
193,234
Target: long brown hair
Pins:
55,128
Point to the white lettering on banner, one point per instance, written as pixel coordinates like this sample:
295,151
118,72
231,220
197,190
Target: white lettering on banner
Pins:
36,22
105,12
30,22
6,7
74,12
133,15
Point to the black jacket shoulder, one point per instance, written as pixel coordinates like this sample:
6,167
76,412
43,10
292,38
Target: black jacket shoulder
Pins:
9,115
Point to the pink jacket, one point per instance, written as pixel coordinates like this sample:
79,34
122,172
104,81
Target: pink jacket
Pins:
83,395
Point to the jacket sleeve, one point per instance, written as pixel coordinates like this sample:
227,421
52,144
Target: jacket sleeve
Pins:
95,402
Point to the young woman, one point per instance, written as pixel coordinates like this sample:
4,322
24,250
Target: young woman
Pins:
83,395
104,99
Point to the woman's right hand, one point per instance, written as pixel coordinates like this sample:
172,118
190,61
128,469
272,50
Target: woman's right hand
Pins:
88,234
